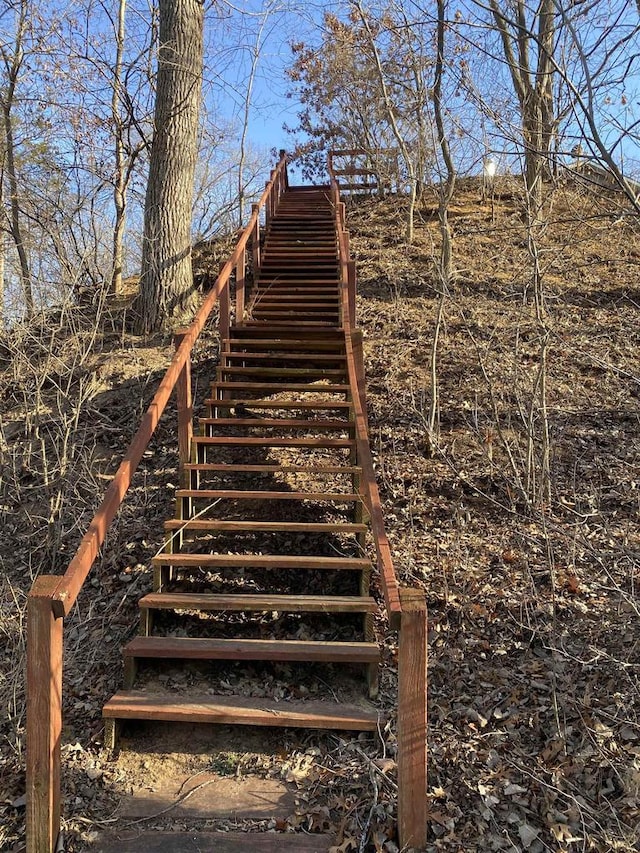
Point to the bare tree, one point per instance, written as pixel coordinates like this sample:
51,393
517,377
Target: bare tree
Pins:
13,55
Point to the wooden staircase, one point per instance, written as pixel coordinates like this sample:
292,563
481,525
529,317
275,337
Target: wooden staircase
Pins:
266,559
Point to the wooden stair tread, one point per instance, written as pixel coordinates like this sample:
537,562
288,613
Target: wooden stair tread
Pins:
258,494
264,526
198,648
224,467
281,371
284,423
291,343
258,602
268,561
270,441
142,705
277,388
295,356
280,404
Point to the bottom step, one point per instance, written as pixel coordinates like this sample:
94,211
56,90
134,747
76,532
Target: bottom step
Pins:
237,710
214,842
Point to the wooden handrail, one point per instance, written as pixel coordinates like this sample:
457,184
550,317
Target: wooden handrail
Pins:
406,607
52,597
355,366
71,582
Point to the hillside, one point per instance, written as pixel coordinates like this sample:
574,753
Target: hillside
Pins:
533,609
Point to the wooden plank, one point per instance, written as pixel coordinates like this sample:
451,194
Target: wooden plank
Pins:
259,495
412,720
294,356
300,348
277,388
262,561
239,710
268,441
209,796
325,337
214,842
280,423
263,526
44,716
271,469
198,648
320,372
388,578
258,603
281,404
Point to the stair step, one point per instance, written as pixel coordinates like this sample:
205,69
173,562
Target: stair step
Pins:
287,303
259,603
308,405
291,344
320,337
280,356
294,313
247,526
278,423
261,561
232,468
267,323
192,648
241,494
238,710
319,372
277,388
268,441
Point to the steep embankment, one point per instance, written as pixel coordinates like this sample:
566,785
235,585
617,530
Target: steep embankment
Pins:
534,611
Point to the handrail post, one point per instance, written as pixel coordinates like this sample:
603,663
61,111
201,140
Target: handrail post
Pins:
44,716
351,291
184,403
240,286
283,155
255,241
412,720
225,311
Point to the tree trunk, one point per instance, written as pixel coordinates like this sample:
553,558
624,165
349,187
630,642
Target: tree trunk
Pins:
166,280
13,64
119,186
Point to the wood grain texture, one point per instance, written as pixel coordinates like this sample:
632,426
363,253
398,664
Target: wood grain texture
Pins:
412,720
239,649
44,716
240,710
258,602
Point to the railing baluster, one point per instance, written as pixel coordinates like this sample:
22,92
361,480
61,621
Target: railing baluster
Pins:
240,286
255,242
44,716
351,284
184,404
225,311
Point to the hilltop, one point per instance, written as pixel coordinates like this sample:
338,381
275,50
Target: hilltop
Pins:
533,607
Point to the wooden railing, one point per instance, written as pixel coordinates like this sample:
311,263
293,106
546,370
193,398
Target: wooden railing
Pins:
406,607
52,597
